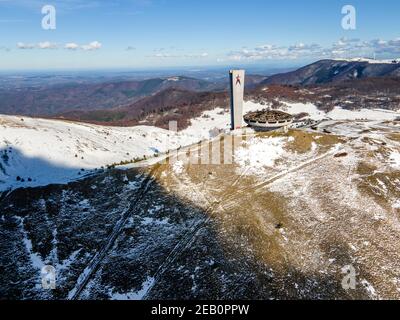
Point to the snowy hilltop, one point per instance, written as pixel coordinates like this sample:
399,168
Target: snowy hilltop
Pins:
37,152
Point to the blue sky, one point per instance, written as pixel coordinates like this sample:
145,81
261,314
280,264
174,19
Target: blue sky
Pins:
95,34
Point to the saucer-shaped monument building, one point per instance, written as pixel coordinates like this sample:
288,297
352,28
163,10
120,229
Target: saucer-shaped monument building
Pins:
268,119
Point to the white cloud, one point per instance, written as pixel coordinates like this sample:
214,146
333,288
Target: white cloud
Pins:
95,45
344,47
165,55
47,45
71,46
22,45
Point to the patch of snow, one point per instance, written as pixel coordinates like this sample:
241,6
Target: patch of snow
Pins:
84,203
42,151
67,262
154,209
314,146
151,221
283,234
368,114
352,247
133,185
258,153
202,127
178,167
311,109
371,61
382,185
174,79
36,259
395,159
370,289
138,295
337,113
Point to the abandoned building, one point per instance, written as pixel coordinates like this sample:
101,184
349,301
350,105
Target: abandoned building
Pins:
268,119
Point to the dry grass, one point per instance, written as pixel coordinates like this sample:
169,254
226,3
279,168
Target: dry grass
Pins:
382,186
12,124
394,137
303,141
365,168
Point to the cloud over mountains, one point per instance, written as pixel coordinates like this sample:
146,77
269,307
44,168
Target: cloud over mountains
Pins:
342,48
94,45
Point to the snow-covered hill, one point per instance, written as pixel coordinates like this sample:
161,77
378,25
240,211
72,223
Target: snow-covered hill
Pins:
39,152
336,71
279,223
36,152
338,113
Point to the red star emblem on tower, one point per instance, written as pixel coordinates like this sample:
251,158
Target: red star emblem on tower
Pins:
238,80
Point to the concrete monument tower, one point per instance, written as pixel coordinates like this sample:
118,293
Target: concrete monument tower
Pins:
237,92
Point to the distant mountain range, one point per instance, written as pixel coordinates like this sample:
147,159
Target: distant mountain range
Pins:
182,105
47,100
328,71
157,101
170,104
326,83
51,100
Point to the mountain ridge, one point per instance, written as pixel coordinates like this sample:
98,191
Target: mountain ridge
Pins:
330,71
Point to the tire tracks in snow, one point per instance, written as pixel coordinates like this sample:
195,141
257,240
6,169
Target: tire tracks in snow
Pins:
93,265
209,212
189,236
